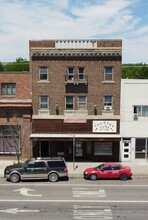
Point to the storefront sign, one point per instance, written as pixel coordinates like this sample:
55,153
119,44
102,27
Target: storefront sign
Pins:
104,126
74,121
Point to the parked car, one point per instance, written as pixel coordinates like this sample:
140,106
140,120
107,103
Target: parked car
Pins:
51,168
108,171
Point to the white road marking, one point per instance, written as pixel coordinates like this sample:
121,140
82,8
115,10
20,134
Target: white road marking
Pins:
73,200
24,191
17,210
87,192
92,212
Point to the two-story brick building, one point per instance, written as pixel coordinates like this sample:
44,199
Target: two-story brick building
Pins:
76,98
15,114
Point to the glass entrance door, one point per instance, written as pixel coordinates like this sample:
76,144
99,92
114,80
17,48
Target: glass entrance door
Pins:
126,153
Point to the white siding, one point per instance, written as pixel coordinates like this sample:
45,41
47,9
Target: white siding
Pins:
133,92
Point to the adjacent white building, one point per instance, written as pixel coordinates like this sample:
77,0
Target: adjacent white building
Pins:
134,120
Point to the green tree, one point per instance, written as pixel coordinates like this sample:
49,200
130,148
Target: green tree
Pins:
135,71
1,67
19,65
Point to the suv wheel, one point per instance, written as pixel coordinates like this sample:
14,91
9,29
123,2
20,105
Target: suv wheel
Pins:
53,177
14,178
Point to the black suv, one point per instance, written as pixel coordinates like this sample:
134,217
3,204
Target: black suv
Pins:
51,168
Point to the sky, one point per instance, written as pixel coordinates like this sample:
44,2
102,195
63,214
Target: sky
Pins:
24,20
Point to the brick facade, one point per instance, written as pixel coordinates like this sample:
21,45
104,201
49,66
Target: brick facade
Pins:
57,56
94,70
16,110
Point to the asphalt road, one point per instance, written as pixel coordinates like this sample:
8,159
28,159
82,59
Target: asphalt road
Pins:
75,199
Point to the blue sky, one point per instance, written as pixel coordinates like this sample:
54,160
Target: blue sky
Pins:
24,20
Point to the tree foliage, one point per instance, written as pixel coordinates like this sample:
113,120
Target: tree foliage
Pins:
135,71
1,67
19,65
130,71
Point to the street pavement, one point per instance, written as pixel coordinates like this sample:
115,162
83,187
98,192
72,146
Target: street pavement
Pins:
139,168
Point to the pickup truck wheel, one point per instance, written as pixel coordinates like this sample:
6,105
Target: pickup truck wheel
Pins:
14,178
93,177
53,177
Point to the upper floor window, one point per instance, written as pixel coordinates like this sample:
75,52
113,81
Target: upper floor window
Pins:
82,102
69,103
81,73
108,102
108,73
8,89
70,73
43,73
44,102
141,111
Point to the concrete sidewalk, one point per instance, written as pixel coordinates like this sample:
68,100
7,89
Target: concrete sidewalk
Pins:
77,168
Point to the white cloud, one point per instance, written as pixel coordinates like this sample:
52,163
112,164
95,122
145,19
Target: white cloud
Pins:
26,20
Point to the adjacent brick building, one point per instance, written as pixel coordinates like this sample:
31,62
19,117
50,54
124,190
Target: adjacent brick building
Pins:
15,114
76,99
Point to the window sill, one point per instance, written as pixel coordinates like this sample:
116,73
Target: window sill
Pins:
107,112
43,81
8,96
109,81
82,113
44,112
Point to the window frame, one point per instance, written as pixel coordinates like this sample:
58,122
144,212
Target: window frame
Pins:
44,103
8,91
71,103
70,74
81,102
141,148
138,110
103,148
10,139
81,73
107,103
108,76
43,73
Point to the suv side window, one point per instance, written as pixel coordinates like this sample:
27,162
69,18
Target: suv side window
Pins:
31,164
56,164
40,164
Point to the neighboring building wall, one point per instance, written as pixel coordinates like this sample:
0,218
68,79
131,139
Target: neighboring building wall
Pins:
56,57
134,119
15,114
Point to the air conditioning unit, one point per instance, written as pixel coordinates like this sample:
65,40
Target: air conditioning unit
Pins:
107,108
135,117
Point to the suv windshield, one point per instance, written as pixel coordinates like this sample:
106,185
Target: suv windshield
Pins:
26,163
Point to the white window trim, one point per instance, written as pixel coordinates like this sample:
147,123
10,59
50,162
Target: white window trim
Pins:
82,103
141,112
81,73
112,74
8,90
108,105
70,75
66,103
42,73
41,103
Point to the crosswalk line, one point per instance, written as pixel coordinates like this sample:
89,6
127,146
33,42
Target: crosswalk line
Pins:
86,192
